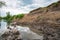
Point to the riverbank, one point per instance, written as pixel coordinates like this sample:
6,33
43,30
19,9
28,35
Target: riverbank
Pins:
45,19
19,33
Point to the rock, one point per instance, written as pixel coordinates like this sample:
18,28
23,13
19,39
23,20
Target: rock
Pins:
11,35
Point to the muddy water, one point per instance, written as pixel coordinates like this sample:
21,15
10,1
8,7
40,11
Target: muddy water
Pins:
26,33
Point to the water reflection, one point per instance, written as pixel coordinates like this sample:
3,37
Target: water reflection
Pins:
0,24
3,24
26,33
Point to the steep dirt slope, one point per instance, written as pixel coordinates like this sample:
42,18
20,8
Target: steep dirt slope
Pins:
51,10
45,19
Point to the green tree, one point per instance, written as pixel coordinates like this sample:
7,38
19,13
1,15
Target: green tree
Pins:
7,18
0,17
8,15
20,16
2,4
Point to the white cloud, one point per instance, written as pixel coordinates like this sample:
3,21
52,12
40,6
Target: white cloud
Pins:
13,11
15,6
42,3
12,7
12,3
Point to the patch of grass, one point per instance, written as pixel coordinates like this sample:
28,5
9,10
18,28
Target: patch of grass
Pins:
19,16
53,4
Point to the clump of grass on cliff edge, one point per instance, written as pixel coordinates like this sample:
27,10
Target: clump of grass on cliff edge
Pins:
53,4
20,16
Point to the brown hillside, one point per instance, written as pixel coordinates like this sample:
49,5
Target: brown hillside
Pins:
45,19
51,12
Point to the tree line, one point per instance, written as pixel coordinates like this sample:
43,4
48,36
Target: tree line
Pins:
9,17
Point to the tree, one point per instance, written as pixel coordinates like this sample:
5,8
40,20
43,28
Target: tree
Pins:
2,4
8,15
8,18
20,16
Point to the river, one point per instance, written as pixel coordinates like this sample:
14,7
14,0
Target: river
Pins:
26,33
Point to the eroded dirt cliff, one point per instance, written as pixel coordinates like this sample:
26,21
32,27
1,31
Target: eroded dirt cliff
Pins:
45,19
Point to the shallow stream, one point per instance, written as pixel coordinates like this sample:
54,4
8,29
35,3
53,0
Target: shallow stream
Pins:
26,33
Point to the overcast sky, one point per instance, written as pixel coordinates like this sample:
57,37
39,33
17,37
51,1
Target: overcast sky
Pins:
23,6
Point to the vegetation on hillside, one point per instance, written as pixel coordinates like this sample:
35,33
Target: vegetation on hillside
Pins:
0,18
20,16
8,18
54,4
42,9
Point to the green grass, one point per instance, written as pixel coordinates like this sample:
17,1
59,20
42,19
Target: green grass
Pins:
20,16
8,18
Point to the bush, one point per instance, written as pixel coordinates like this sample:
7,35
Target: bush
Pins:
8,18
20,16
0,18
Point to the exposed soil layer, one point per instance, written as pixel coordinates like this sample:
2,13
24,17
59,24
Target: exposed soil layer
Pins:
45,20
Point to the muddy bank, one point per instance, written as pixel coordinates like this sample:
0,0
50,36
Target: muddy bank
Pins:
50,30
20,33
11,34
